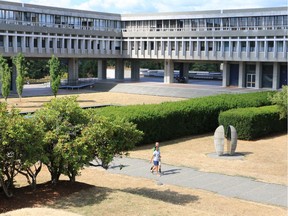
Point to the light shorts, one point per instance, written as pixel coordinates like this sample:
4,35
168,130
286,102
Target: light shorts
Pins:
156,163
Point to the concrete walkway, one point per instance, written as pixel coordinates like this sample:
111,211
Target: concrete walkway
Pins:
230,186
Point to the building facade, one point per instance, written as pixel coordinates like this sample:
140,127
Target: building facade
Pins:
251,44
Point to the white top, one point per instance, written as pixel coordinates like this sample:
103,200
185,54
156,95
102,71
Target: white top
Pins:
156,155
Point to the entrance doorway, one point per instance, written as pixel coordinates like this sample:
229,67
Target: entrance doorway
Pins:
250,80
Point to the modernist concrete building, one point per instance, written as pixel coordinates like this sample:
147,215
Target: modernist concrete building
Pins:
251,44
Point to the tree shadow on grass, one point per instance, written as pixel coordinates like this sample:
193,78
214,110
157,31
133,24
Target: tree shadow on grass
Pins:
47,194
167,196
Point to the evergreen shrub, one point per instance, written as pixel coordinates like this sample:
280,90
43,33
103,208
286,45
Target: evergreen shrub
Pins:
172,120
254,122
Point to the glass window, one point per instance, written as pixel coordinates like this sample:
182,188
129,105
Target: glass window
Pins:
233,22
225,22
243,21
267,75
1,40
226,46
270,46
259,21
252,46
2,14
217,22
279,46
27,16
269,21
251,21
243,46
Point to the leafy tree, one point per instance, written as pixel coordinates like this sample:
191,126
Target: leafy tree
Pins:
280,99
206,67
38,69
110,138
88,68
55,74
20,145
21,67
5,76
63,121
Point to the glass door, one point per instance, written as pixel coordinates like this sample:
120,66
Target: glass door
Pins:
250,80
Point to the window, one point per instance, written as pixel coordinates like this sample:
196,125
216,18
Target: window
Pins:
243,21
270,46
1,40
252,46
267,75
234,46
279,46
226,46
243,46
218,45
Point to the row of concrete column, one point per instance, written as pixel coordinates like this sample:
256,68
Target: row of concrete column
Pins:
73,64
169,72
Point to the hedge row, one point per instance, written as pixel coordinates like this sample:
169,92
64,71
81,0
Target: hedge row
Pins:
252,123
172,120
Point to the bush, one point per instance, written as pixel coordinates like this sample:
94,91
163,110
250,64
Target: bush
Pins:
252,123
172,120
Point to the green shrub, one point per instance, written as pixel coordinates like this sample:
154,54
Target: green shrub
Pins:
252,123
172,120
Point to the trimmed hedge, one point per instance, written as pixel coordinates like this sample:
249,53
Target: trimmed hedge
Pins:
172,120
252,123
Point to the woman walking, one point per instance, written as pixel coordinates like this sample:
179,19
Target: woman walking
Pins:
156,158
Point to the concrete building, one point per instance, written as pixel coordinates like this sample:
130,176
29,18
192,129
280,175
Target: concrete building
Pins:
251,44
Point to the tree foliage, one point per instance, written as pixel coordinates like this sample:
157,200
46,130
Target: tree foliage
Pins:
281,101
20,145
38,69
21,67
110,138
63,121
5,76
55,74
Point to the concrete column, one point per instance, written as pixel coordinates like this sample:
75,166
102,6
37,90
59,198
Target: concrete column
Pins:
102,69
257,49
55,45
69,45
226,74
39,44
23,45
135,70
14,44
186,70
241,81
119,70
73,75
31,39
258,81
47,45
276,75
198,48
168,71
